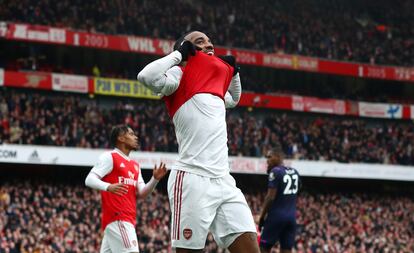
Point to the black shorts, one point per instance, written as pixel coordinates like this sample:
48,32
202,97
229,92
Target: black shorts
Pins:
282,230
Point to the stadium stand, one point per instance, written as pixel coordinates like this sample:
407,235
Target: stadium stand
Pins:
72,120
362,31
41,216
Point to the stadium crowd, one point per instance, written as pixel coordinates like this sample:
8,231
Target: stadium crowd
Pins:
78,121
377,32
38,216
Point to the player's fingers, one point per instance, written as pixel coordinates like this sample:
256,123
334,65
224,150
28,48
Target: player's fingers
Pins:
121,192
117,192
122,188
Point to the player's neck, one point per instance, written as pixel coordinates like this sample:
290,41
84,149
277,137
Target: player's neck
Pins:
124,150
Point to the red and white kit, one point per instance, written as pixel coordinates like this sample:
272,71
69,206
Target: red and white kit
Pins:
203,196
118,212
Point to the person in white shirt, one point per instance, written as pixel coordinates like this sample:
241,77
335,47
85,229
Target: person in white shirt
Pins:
197,87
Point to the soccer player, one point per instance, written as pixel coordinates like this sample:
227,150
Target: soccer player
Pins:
197,87
278,215
120,181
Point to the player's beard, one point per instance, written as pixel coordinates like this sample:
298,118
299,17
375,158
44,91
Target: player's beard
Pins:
135,148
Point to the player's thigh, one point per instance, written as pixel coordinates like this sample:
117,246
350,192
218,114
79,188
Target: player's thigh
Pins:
271,232
233,217
121,237
193,207
287,236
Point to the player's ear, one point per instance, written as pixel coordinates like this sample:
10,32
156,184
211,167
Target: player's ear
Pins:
121,138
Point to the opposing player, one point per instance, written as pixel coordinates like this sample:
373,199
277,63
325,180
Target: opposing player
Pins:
278,215
197,87
120,181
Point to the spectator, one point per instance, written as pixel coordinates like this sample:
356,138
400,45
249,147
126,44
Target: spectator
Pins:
72,120
46,217
377,33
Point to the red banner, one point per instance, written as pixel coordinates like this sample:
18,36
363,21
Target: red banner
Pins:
144,45
266,101
36,80
83,84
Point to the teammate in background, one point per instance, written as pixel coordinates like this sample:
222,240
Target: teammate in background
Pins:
120,181
278,215
197,87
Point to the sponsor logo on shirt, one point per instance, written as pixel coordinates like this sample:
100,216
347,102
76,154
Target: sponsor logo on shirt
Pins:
128,181
271,176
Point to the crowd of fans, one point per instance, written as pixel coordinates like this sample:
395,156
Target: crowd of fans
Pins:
78,121
377,32
42,217
322,138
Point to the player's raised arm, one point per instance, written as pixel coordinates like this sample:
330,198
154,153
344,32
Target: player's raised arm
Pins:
163,75
157,174
233,94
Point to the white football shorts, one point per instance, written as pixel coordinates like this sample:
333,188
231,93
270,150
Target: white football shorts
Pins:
201,204
119,237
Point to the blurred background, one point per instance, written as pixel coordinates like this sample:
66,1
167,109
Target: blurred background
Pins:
330,81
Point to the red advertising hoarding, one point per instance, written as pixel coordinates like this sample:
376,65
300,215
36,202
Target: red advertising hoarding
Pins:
145,45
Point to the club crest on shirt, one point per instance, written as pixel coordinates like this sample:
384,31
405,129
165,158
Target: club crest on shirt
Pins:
136,167
134,242
271,176
187,233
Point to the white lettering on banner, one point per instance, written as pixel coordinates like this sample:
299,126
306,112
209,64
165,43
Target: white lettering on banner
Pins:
309,64
20,31
412,111
380,110
309,104
3,29
360,71
57,35
141,44
166,46
375,72
245,57
1,77
40,34
76,39
73,83
404,74
11,153
297,103
275,60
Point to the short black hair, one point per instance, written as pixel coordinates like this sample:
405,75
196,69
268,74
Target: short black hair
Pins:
116,132
180,40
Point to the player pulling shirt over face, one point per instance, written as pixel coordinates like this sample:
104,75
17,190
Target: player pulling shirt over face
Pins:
197,86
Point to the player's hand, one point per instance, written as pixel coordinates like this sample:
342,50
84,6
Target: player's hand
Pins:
231,60
160,171
118,189
186,49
